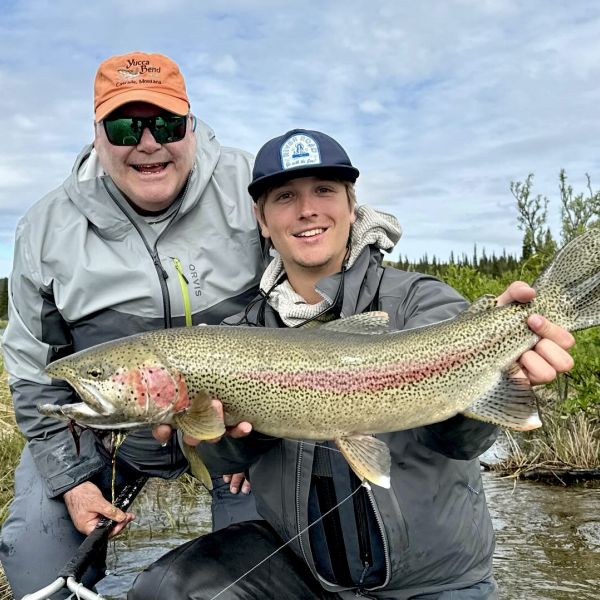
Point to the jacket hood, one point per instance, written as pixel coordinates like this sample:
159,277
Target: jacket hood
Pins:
97,197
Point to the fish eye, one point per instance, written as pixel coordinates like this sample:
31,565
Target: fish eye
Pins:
94,373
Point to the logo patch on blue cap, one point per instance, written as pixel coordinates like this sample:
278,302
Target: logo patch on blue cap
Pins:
299,150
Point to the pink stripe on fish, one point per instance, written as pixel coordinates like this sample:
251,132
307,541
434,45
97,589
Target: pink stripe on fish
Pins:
372,379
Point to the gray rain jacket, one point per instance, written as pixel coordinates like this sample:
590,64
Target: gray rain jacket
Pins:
88,269
434,520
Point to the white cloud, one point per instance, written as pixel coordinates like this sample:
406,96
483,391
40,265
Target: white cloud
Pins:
227,65
371,107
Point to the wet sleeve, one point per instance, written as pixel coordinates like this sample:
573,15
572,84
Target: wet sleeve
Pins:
36,334
430,301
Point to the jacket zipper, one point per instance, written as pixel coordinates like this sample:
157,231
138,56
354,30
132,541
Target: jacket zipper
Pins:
162,274
386,548
364,543
298,524
185,292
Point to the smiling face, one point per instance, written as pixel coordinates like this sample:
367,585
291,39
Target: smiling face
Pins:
308,221
150,175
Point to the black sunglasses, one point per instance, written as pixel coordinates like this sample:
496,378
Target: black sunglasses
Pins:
127,131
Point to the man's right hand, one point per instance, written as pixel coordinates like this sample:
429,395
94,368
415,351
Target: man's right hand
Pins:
87,505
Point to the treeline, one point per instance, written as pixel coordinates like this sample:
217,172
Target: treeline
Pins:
494,266
3,298
579,212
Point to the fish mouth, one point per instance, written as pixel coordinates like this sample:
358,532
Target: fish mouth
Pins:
92,397
86,416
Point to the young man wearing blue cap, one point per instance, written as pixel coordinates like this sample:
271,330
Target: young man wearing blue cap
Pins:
430,535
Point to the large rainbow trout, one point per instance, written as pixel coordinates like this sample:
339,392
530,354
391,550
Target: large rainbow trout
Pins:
342,381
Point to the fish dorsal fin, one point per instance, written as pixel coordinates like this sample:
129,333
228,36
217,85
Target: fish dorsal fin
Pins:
368,457
481,304
368,323
511,403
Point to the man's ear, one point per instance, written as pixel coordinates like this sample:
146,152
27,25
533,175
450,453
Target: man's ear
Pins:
353,215
264,230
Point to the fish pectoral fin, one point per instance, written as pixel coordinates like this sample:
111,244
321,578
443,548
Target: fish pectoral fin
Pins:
197,466
200,420
368,323
368,457
511,403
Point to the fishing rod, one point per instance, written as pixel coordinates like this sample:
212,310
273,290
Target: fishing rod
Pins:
96,541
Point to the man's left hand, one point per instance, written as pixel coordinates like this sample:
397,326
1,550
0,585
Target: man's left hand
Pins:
549,356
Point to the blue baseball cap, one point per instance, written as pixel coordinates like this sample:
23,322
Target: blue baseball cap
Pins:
299,153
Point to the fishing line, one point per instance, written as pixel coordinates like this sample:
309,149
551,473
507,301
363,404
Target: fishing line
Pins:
315,444
264,560
305,442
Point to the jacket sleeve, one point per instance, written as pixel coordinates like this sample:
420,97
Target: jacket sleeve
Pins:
234,455
427,301
36,334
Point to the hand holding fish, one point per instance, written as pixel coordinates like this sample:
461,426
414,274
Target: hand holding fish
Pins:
237,481
163,432
87,505
549,356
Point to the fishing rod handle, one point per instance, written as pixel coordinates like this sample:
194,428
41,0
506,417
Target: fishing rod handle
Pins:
97,539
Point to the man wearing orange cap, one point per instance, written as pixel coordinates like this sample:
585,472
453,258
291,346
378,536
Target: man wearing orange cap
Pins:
153,228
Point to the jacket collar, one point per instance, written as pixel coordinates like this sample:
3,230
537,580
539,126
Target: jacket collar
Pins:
361,286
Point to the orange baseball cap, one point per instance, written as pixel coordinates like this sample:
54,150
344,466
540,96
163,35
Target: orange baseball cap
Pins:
139,77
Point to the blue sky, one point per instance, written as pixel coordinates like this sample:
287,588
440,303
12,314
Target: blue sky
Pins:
440,104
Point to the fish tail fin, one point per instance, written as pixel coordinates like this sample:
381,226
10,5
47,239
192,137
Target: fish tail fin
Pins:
568,291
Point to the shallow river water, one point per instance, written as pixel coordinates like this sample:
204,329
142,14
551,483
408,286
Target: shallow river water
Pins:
548,537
